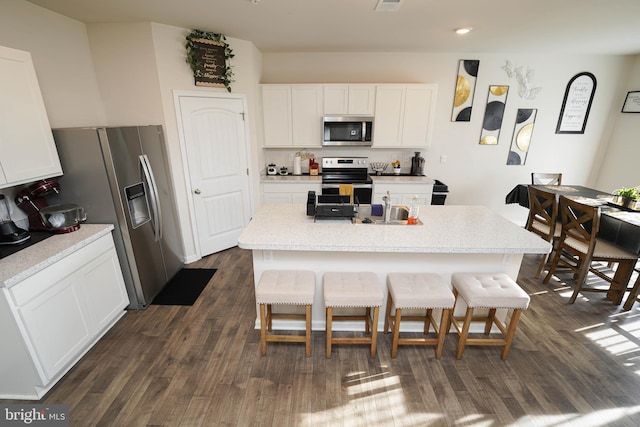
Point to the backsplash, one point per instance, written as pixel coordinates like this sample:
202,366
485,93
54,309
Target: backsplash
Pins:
284,157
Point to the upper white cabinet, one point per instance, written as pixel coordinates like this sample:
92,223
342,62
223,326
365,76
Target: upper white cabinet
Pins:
352,99
404,115
291,115
27,149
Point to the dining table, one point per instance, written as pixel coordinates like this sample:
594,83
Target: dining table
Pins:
618,225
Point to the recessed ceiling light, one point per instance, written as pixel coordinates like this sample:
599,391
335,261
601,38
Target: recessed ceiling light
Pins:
463,30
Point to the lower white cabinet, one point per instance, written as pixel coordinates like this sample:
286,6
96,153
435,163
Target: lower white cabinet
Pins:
402,193
52,318
288,192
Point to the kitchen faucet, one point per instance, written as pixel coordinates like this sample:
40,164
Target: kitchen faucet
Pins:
387,207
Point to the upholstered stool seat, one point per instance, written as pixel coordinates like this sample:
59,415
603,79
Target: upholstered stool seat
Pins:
490,291
352,289
426,291
285,287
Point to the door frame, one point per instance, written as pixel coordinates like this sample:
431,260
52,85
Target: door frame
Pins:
177,94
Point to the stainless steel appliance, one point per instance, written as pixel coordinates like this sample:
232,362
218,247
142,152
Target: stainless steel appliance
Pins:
329,206
10,233
57,219
120,176
347,131
337,171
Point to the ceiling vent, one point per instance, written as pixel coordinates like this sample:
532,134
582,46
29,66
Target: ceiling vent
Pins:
388,5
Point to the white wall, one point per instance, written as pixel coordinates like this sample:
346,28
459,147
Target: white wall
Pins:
125,64
620,166
478,174
62,59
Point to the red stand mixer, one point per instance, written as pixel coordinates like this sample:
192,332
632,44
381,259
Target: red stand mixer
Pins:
42,217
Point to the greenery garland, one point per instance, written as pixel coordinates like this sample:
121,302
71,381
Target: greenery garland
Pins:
192,59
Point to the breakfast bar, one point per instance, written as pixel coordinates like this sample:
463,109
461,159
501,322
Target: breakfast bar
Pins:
450,238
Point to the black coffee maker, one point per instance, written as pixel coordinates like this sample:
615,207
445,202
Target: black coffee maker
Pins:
417,164
10,234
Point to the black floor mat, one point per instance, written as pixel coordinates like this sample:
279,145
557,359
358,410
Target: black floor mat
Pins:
185,287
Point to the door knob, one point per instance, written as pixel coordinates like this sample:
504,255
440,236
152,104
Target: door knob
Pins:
197,191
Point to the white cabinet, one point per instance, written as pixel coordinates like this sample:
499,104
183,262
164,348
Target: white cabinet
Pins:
27,149
288,192
404,115
52,318
402,192
292,115
352,99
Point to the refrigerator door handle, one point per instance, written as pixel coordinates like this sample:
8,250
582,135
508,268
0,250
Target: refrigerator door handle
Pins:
147,173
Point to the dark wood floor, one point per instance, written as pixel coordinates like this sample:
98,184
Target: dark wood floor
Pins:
200,366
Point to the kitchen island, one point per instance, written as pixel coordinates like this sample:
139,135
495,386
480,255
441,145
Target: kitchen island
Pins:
451,238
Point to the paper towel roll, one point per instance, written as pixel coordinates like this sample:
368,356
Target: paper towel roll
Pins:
297,167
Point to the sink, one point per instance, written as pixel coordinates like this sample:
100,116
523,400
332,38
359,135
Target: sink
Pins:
399,216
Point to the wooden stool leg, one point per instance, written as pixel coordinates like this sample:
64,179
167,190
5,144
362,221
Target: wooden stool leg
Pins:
308,331
511,332
269,320
374,331
462,340
367,325
388,312
328,331
444,321
489,324
263,331
427,321
396,333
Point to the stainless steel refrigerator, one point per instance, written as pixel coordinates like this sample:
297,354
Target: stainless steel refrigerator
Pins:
120,176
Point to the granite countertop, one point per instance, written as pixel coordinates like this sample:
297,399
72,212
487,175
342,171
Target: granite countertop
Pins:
446,229
399,179
31,260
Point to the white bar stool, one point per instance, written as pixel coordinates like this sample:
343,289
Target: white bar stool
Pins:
418,291
492,291
352,289
286,287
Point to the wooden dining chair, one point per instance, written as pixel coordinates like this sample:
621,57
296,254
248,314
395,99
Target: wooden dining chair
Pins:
543,212
538,178
578,247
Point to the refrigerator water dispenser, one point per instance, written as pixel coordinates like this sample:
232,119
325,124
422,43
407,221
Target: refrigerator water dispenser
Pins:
138,206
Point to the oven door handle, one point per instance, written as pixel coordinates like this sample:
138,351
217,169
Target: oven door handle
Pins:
354,185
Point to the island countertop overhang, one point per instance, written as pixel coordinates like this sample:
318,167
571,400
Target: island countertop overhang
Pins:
446,229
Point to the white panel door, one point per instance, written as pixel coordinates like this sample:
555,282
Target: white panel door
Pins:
216,146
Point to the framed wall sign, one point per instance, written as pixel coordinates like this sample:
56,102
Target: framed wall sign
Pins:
208,54
577,103
632,102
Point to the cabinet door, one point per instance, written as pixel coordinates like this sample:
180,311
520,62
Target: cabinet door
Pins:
355,99
336,99
102,289
306,115
388,117
418,115
56,326
362,99
27,149
276,115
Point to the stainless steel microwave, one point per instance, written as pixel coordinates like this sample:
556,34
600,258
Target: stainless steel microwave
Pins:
347,131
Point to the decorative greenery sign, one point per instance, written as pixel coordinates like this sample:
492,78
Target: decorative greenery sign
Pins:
208,54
